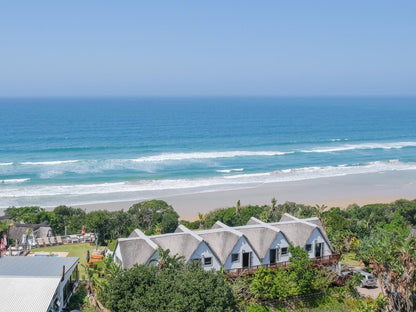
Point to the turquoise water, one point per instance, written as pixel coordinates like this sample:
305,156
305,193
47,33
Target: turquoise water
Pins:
82,150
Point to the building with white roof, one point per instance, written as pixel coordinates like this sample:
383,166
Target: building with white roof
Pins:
37,283
233,248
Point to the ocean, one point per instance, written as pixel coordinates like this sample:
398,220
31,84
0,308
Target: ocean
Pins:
77,151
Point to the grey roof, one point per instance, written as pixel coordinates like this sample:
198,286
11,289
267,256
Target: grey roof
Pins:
136,250
27,293
181,243
221,241
260,237
136,233
16,233
17,230
315,221
297,232
287,217
35,266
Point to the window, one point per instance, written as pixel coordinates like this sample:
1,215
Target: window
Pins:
284,250
234,257
208,261
308,247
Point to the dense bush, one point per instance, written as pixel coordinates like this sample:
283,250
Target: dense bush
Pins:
146,288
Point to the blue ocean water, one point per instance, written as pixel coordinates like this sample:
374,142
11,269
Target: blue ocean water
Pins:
85,150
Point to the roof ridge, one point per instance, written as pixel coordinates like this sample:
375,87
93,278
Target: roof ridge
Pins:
186,230
141,236
229,228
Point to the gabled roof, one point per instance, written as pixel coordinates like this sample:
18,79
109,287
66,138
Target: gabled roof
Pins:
298,230
260,236
136,250
182,243
315,221
17,230
221,239
288,217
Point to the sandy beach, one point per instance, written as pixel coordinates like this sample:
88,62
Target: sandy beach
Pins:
382,187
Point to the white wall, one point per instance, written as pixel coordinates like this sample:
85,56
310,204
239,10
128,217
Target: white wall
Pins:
316,237
279,242
203,251
117,256
241,245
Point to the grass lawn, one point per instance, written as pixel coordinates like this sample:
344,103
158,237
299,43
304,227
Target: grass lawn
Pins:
74,250
349,260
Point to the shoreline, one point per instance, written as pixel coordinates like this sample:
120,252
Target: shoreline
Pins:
341,191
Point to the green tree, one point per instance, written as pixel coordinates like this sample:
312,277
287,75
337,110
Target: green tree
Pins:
98,222
148,214
298,278
187,288
393,260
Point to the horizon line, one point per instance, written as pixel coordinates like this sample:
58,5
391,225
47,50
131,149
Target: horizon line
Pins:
206,96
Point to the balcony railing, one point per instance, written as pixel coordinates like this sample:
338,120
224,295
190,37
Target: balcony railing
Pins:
325,260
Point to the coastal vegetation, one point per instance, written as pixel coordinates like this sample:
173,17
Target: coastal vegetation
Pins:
376,235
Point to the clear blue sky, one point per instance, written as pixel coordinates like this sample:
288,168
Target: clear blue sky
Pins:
207,47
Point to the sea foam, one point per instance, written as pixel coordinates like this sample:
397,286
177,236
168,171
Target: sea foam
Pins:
363,146
207,155
49,163
119,190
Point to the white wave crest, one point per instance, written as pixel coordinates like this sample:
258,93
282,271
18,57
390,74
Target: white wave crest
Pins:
207,155
14,181
6,164
229,170
347,147
49,163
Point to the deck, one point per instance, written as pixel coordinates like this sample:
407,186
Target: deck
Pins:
325,260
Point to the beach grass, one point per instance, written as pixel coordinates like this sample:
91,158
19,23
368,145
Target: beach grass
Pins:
74,250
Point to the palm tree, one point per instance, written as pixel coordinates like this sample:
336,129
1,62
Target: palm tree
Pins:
237,208
202,219
158,228
321,209
165,261
273,210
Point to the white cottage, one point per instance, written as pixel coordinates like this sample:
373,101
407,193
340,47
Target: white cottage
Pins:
233,248
269,242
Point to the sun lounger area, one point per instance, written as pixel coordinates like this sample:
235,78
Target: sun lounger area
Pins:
65,239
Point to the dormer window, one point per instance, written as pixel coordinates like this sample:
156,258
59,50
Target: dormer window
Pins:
308,247
208,261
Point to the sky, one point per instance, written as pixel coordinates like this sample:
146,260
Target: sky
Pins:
207,48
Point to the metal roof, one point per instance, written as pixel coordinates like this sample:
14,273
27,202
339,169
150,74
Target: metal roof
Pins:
35,266
27,294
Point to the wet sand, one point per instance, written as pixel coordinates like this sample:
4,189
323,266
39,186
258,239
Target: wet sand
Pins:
382,187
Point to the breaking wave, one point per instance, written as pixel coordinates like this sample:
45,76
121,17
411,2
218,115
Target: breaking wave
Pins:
122,190
363,146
